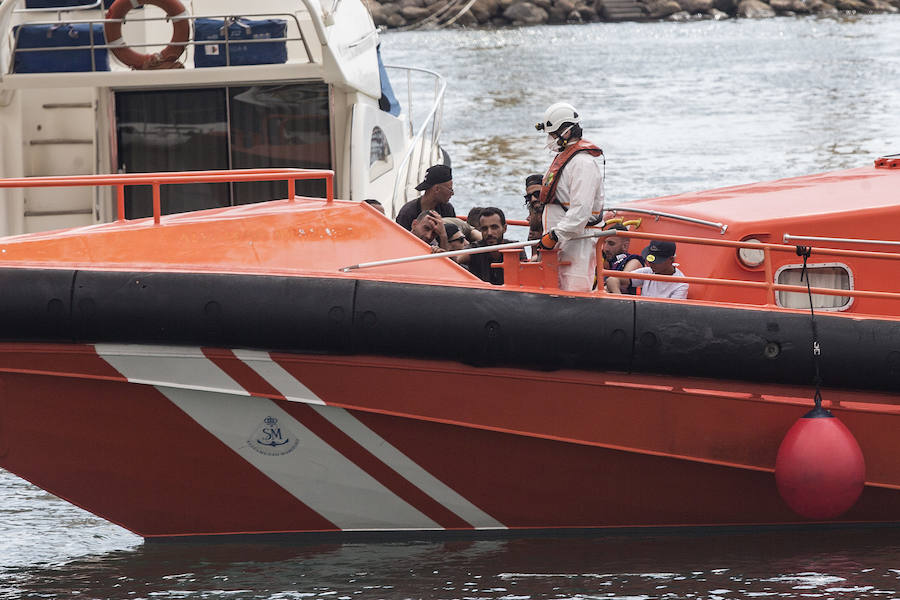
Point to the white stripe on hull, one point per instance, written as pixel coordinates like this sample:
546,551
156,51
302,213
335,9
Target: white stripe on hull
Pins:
314,472
413,473
169,366
287,385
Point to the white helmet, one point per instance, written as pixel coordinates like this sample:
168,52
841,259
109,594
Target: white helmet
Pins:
556,116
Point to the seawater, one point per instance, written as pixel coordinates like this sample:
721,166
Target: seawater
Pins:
677,107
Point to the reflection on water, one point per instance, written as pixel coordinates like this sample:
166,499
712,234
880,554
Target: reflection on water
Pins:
834,564
677,107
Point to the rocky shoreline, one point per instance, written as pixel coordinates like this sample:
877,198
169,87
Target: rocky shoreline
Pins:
410,14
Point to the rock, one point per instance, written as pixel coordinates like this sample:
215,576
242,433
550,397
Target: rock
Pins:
882,6
660,9
483,10
826,10
680,16
545,4
755,9
390,8
586,13
379,14
561,11
499,22
717,15
504,4
696,6
415,3
805,7
396,20
857,6
726,6
782,6
525,13
414,13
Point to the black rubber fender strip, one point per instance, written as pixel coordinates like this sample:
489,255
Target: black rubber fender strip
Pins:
487,327
758,345
481,327
300,314
36,305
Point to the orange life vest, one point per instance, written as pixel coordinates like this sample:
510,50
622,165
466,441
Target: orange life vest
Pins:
551,179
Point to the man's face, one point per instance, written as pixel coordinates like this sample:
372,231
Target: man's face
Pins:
492,231
532,194
614,246
424,229
663,266
458,241
443,191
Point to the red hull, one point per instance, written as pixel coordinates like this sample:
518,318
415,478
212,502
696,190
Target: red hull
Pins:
403,445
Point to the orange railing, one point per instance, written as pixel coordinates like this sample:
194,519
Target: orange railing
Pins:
155,180
769,284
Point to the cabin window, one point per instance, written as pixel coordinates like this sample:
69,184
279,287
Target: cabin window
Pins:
833,275
380,159
238,127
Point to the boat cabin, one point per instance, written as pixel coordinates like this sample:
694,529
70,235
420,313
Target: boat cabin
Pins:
751,233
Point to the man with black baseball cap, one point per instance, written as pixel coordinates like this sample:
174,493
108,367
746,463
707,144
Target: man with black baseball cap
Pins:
661,258
437,188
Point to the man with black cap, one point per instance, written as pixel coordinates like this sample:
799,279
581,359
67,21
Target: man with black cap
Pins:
661,258
437,188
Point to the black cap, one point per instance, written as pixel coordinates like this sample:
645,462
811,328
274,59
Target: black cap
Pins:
534,179
660,250
452,229
435,175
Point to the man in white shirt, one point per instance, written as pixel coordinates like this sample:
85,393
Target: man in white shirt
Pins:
661,258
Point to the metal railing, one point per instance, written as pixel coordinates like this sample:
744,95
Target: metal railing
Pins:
156,180
98,4
424,147
768,285
227,42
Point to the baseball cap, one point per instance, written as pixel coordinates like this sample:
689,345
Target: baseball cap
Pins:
434,175
660,250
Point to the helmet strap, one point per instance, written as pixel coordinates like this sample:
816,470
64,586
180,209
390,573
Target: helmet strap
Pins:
563,137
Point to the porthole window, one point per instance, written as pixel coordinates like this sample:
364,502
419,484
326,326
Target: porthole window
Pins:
832,275
380,159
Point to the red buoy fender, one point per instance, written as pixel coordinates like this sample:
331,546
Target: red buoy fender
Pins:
820,470
181,33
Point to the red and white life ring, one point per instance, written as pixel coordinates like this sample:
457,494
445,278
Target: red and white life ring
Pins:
181,33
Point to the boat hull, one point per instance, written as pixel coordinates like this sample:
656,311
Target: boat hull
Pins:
181,441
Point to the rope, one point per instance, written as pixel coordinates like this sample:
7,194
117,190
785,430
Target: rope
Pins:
462,11
805,252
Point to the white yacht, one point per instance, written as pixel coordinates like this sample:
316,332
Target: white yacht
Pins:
272,83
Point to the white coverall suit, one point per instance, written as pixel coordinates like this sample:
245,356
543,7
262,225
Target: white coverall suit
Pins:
580,191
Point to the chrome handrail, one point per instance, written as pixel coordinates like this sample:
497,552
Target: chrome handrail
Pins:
62,9
788,238
4,12
722,227
405,174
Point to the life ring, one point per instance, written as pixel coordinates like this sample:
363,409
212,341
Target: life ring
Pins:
181,33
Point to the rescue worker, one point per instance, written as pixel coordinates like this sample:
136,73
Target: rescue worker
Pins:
572,195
